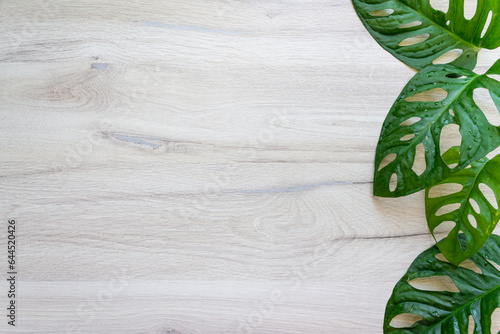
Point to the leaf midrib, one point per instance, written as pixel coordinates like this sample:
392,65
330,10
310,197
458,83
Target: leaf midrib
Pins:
467,198
416,139
438,25
463,306
463,204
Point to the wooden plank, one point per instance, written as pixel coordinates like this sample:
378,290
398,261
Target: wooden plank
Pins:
199,167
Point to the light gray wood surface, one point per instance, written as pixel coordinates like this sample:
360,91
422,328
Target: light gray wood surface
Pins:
199,167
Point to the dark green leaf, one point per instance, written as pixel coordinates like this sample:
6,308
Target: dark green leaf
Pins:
478,137
477,226
391,22
445,311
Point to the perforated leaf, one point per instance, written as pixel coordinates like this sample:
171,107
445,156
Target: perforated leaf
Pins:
395,23
444,311
476,215
400,140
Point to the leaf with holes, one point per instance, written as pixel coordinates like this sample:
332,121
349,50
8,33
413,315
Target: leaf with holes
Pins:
419,35
438,98
476,214
471,303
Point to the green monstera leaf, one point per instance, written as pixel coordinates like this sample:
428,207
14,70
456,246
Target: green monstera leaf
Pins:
473,191
417,34
436,97
471,294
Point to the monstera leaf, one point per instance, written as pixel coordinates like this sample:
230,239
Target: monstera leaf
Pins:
476,215
476,295
417,34
416,120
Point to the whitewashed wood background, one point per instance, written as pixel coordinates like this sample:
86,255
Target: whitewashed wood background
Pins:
190,167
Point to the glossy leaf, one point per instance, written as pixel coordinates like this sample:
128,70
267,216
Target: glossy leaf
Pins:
476,226
395,23
443,311
478,136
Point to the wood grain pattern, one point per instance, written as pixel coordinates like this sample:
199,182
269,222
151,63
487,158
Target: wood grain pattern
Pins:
199,167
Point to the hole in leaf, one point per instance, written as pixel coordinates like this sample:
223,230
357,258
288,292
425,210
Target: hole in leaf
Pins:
452,113
487,23
489,194
448,22
410,24
445,189
493,154
431,95
462,240
393,183
387,160
448,57
447,209
444,228
441,5
414,40
468,264
441,257
382,12
407,137
494,77
450,136
471,325
495,321
405,320
410,121
483,100
434,283
494,264
455,76
474,205
419,164
472,220
470,8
